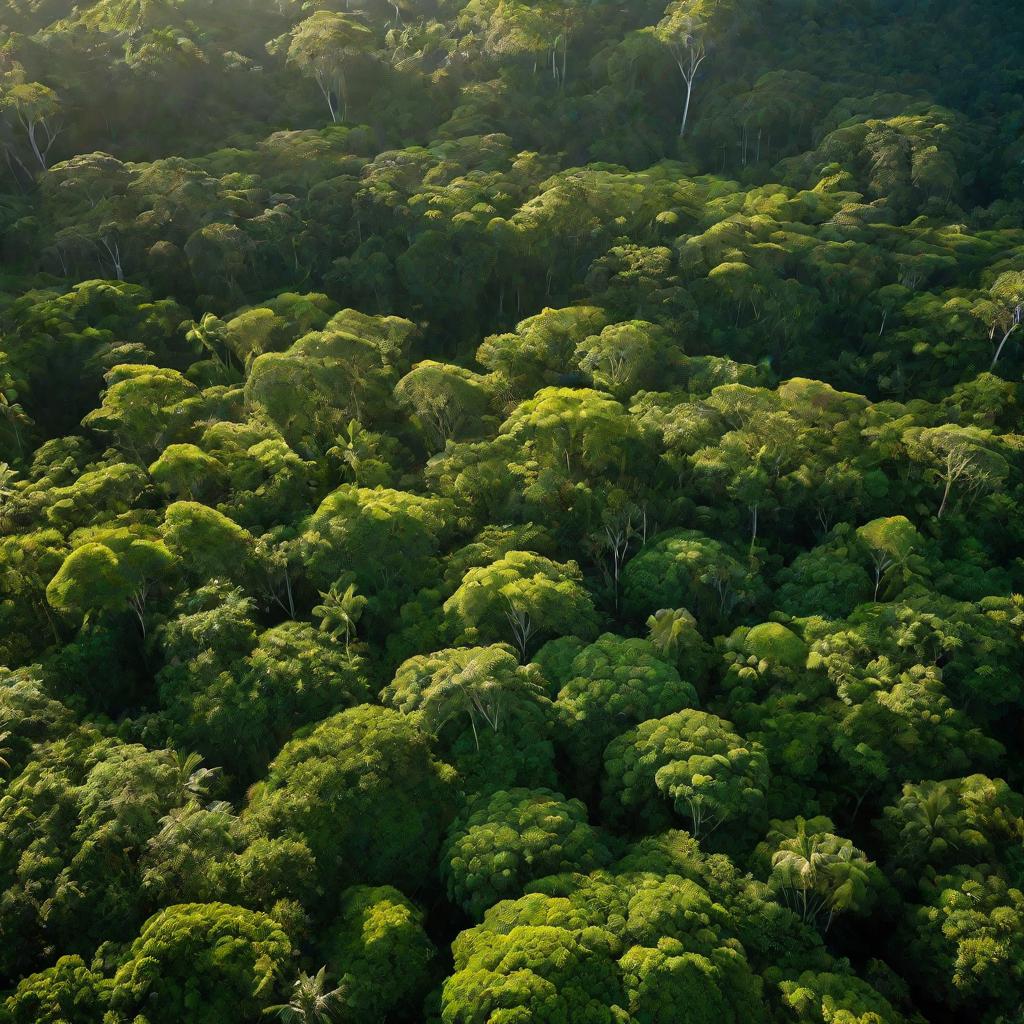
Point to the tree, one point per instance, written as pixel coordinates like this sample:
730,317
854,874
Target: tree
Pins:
534,972
693,760
446,400
218,255
716,985
751,462
961,457
210,335
223,680
358,822
521,597
626,357
504,840
186,471
207,961
483,683
381,953
689,569
316,388
656,936
387,539
81,814
966,938
1002,310
540,348
937,825
829,579
818,996
312,1002
613,684
668,626
688,29
36,107
817,871
115,571
890,543
340,612
140,406
321,48
70,992
208,543
535,29
585,430
89,194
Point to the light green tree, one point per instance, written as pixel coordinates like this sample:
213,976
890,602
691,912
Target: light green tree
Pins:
321,48
340,612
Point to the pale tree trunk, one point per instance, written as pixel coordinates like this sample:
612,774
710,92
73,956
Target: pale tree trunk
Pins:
31,128
1006,337
114,252
35,145
328,94
688,70
945,496
12,159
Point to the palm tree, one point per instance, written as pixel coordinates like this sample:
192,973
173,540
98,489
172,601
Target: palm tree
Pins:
5,751
208,335
193,778
798,865
667,625
340,612
8,490
819,871
310,1003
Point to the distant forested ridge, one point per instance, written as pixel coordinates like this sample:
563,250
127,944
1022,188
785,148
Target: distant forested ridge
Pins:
511,513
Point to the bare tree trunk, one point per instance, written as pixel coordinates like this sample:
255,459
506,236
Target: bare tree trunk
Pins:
999,350
945,496
35,145
686,107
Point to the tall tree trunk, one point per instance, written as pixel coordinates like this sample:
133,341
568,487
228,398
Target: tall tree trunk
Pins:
686,108
945,496
40,156
999,350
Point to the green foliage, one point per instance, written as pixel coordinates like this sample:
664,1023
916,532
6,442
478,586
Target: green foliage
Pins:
820,997
686,568
67,993
77,821
938,825
691,760
541,972
773,643
210,545
540,349
519,598
380,953
423,421
386,538
446,401
483,683
358,822
511,837
817,872
824,581
966,936
208,961
612,685
116,571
